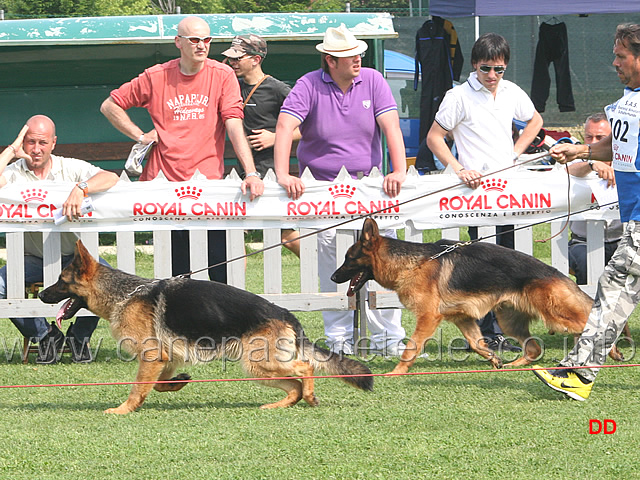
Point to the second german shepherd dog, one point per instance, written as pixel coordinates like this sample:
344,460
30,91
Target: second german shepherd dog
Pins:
463,285
178,320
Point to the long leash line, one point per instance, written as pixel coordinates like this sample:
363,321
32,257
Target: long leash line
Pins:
566,223
314,377
515,229
359,217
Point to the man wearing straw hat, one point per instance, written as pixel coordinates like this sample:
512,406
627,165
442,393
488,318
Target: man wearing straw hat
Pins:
342,110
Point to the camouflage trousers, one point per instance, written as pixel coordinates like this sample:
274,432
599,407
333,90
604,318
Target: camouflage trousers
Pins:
617,295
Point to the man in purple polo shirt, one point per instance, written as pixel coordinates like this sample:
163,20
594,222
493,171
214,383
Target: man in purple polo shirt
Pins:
342,110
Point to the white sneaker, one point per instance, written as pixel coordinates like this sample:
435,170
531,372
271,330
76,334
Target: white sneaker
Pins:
393,350
341,347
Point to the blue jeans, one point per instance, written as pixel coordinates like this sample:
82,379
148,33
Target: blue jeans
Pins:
578,257
217,244
36,328
505,237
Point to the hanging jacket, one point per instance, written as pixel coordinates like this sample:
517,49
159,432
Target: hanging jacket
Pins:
434,49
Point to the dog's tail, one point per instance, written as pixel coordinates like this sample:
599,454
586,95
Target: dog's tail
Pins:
338,364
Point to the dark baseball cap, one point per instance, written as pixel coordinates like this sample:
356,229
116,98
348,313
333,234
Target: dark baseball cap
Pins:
246,45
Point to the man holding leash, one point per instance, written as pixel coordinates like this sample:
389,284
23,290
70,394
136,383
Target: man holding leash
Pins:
35,163
342,111
479,113
596,127
619,286
193,101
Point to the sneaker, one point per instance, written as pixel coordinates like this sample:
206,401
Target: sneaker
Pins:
393,350
498,344
50,346
565,381
501,344
80,351
341,348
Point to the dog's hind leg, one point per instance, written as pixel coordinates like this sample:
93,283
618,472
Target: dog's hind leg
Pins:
296,368
308,394
615,352
291,386
515,324
477,342
270,366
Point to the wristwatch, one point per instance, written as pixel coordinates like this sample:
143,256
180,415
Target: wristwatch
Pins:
253,174
84,187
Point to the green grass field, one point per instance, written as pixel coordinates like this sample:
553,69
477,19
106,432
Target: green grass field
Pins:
452,425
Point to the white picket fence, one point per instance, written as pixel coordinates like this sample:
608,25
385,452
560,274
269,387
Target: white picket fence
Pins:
307,299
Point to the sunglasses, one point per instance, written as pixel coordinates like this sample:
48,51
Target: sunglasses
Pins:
361,55
197,40
499,69
229,59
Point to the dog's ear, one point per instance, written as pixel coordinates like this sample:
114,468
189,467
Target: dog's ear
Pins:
81,255
369,231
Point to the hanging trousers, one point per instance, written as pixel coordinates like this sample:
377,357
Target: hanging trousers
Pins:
553,47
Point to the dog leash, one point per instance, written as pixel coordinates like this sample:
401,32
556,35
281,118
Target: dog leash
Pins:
452,247
566,224
359,217
567,216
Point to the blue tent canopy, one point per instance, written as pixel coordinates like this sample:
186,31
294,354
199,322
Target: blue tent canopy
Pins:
503,8
398,62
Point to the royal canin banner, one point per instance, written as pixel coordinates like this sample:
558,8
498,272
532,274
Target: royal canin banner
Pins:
518,196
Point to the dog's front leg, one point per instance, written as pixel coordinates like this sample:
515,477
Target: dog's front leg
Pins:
425,328
149,371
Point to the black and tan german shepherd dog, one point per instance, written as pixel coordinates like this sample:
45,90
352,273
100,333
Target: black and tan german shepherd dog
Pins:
463,285
178,320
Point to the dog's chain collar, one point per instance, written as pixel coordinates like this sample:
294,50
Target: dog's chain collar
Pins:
141,287
450,248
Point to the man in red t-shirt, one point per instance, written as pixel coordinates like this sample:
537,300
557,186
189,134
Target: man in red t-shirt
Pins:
192,100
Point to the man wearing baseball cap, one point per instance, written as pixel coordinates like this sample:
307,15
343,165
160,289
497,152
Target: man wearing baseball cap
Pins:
242,45
342,111
262,97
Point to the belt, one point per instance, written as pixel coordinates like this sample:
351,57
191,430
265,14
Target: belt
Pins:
578,238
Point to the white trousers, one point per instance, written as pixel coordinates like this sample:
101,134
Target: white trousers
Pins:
384,325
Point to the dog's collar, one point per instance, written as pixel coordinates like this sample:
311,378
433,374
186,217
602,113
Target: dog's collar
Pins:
141,287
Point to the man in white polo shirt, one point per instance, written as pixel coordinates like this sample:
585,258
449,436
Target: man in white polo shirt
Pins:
479,113
35,162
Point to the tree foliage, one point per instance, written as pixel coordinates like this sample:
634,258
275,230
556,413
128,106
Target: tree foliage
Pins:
200,6
74,8
382,5
69,8
263,6
327,6
122,7
43,8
